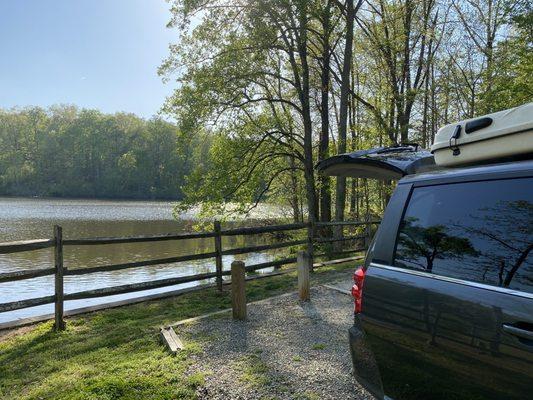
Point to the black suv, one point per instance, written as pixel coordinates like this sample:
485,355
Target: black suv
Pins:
444,300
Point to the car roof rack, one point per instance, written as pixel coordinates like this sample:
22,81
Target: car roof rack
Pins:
498,137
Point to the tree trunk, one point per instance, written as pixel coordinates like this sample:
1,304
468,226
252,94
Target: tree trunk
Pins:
295,202
323,148
343,110
306,116
425,114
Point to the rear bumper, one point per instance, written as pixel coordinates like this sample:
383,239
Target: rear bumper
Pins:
364,364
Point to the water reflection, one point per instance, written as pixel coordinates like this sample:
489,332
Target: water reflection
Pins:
422,246
484,234
34,218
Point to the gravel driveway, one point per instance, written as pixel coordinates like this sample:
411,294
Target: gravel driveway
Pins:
285,350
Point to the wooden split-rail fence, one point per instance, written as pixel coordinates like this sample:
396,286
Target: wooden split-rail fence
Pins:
60,271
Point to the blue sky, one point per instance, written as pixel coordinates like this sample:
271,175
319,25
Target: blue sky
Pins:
99,54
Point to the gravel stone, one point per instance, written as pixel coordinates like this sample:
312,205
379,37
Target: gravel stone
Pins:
286,349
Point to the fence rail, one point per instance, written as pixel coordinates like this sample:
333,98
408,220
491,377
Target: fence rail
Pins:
25,245
136,264
59,271
136,239
26,274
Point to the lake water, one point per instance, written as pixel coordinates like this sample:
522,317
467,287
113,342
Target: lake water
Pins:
22,218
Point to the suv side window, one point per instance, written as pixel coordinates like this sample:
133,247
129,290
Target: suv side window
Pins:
476,231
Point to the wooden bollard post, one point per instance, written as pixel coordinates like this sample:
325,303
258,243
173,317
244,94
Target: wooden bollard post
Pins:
218,257
238,290
59,324
304,266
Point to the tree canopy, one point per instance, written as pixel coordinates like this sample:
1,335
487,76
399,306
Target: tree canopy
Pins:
282,84
67,152
266,88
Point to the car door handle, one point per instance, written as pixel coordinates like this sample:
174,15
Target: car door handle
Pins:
522,333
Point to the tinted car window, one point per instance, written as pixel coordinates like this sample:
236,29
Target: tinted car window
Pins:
478,231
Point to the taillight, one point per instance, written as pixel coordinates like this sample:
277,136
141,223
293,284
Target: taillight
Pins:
357,289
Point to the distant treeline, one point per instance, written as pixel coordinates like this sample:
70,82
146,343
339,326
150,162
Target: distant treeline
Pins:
64,151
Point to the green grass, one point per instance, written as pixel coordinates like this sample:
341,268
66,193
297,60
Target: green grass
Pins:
116,353
254,372
308,396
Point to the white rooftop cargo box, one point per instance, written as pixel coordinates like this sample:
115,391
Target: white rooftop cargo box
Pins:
499,136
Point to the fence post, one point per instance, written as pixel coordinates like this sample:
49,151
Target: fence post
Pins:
218,257
311,233
368,235
303,265
238,290
59,324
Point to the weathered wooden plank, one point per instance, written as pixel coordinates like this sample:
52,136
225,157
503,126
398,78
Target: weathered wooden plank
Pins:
262,229
276,263
304,265
238,290
25,274
135,287
135,264
59,323
253,249
171,340
136,239
25,245
17,305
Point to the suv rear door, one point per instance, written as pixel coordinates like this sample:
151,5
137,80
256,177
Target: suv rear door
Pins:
448,297
388,163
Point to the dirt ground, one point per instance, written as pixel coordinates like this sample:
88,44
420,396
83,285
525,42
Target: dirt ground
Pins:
286,349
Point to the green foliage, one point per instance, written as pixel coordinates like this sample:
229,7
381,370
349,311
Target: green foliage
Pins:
512,84
68,152
236,85
267,80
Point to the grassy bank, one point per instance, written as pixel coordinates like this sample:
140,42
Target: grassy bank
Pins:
116,354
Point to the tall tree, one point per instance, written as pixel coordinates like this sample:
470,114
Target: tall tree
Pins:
350,11
277,84
325,82
253,73
402,34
